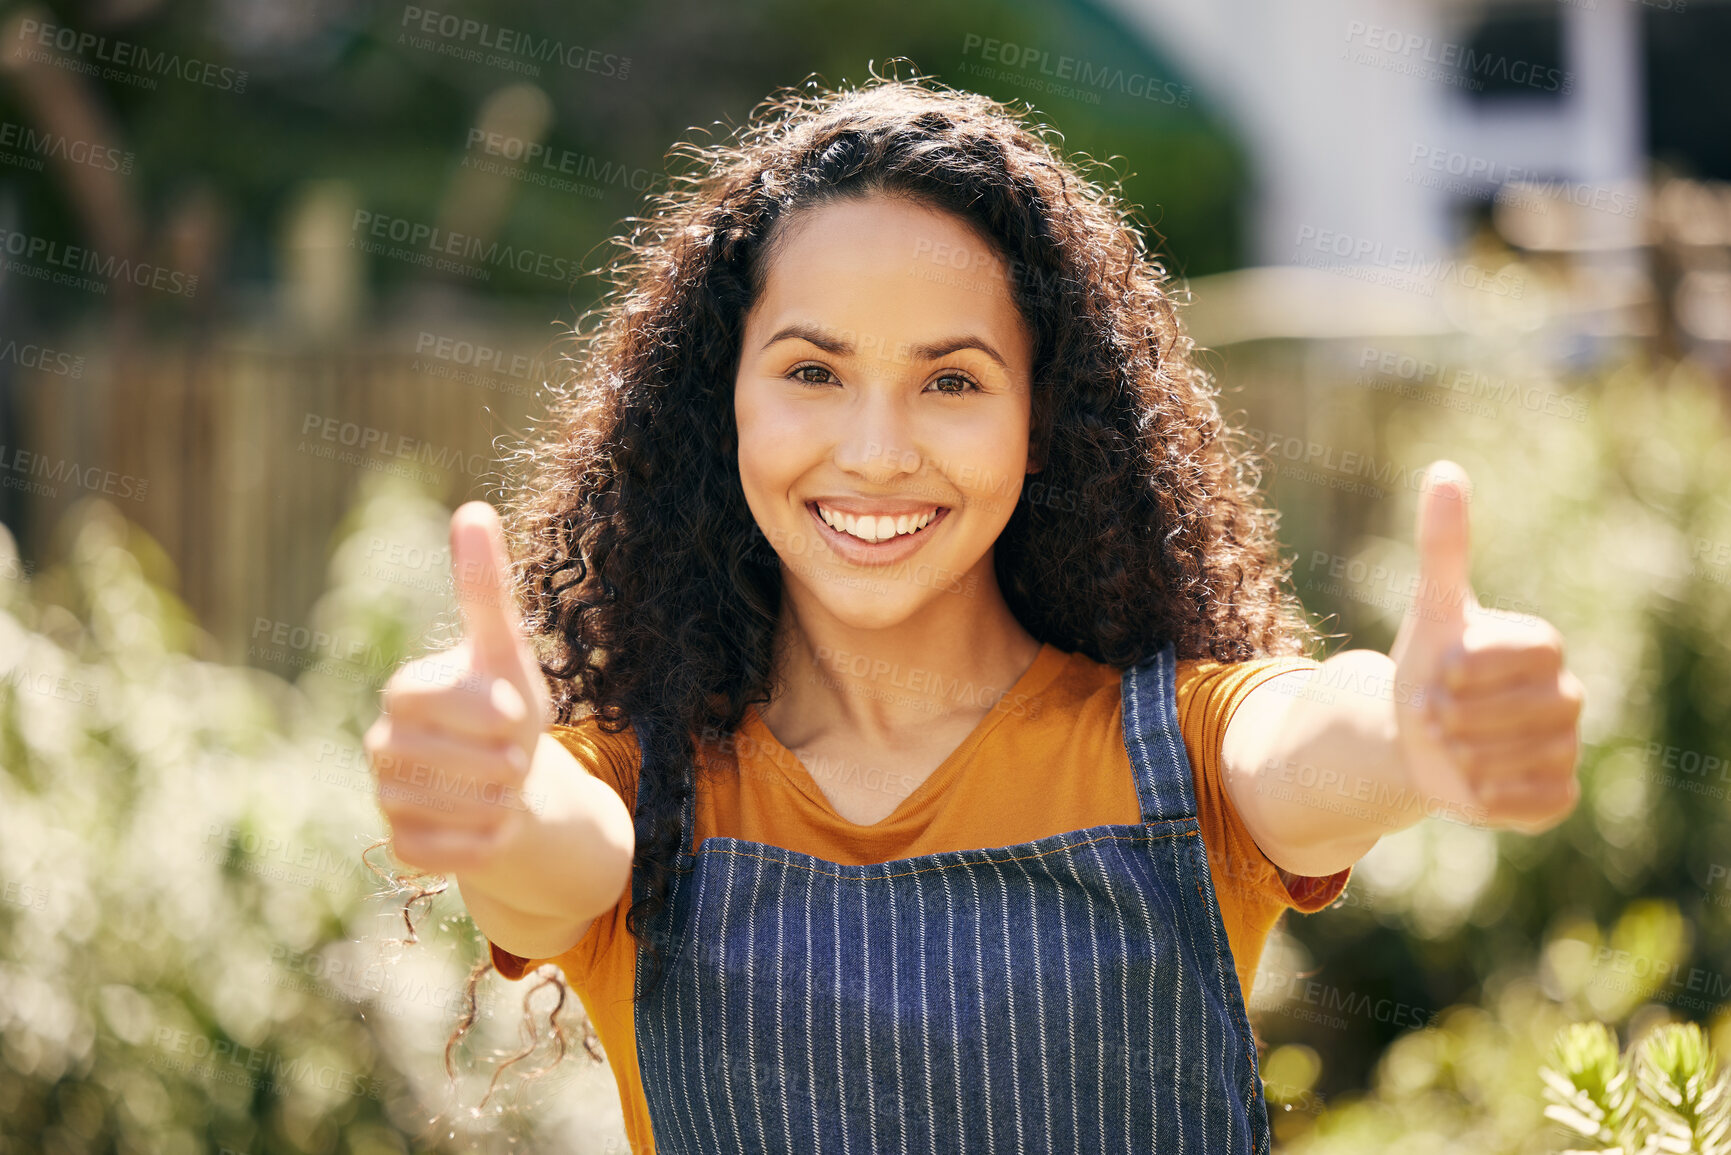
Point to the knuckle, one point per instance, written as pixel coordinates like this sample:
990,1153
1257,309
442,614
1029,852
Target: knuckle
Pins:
417,854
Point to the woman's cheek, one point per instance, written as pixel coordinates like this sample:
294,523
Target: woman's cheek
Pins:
774,438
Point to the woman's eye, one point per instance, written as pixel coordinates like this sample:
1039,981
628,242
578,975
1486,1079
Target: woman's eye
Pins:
799,371
963,383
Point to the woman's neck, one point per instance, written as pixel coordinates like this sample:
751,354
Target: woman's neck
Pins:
886,685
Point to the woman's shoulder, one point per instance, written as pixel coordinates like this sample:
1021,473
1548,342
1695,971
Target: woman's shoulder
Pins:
1217,686
1204,679
607,751
1206,692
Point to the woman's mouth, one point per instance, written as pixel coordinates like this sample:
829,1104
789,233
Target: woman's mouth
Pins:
871,528
875,536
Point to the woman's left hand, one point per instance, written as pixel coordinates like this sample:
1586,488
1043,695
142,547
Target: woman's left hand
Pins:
1487,714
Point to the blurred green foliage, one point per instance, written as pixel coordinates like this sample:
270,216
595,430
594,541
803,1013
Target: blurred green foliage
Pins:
1667,1094
339,91
1607,526
192,954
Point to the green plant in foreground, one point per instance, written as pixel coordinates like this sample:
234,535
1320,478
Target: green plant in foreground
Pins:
1665,1095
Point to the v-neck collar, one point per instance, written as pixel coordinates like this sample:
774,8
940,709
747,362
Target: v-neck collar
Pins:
1039,675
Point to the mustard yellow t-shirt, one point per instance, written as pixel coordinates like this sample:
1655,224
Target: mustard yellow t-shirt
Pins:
1048,758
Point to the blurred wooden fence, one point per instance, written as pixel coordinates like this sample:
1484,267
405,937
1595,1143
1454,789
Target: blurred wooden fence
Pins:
240,454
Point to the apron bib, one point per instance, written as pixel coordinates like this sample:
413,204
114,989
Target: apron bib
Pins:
1074,993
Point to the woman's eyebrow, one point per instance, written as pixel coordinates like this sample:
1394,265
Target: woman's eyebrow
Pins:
805,331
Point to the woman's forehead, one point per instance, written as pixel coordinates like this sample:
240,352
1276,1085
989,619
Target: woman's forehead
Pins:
884,274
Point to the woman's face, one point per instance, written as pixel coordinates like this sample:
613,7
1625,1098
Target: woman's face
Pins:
883,402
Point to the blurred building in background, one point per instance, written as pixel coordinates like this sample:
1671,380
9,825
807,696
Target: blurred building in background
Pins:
1386,137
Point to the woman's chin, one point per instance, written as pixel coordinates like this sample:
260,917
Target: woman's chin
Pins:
864,601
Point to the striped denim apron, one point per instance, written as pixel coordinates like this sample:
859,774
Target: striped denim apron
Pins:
1074,993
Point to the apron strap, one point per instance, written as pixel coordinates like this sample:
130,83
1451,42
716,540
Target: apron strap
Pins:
1153,739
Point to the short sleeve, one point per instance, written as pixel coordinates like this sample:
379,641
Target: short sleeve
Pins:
1209,694
613,758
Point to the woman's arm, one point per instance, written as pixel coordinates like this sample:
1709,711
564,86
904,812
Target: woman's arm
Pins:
568,863
1313,765
1471,717
474,786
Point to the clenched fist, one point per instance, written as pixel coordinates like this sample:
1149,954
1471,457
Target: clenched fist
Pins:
459,728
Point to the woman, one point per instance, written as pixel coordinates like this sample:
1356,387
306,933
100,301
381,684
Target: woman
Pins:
921,743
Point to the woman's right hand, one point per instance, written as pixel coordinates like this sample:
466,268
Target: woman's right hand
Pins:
459,728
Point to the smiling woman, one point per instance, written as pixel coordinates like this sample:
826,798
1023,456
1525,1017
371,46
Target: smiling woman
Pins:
890,443
869,902
919,305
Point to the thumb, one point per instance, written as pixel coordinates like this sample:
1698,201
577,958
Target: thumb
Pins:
479,565
1444,548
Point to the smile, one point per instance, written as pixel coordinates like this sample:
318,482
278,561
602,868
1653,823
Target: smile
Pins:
871,528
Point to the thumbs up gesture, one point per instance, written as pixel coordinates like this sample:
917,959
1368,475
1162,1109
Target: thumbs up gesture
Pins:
459,728
1485,711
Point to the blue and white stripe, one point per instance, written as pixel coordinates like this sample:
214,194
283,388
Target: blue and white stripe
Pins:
1073,993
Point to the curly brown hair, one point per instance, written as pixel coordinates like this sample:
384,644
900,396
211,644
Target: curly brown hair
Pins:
648,584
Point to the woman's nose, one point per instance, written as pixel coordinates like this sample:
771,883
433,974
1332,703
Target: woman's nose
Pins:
877,440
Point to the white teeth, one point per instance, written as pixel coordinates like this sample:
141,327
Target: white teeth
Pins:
875,529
